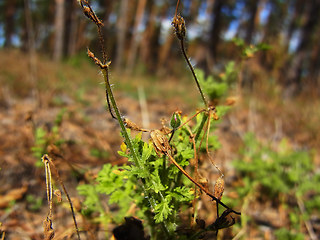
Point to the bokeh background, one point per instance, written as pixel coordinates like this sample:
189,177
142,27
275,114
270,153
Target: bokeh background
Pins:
263,57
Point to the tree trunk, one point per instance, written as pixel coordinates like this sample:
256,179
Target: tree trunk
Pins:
150,41
59,30
301,59
314,68
164,53
253,7
121,33
215,31
10,8
136,36
71,31
296,17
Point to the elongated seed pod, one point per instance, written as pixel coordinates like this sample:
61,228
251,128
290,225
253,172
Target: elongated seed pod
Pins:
160,142
131,125
219,188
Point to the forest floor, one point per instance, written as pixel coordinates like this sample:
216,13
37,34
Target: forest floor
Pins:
70,98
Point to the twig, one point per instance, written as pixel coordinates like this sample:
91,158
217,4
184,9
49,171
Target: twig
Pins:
47,160
207,146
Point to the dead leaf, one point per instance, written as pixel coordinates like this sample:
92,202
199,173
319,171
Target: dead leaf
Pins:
12,195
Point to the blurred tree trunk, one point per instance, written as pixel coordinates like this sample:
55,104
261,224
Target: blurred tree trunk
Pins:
164,50
215,31
252,9
9,26
81,40
295,19
107,31
32,64
136,36
301,56
278,11
314,69
121,33
150,40
59,29
28,38
71,28
210,5
275,58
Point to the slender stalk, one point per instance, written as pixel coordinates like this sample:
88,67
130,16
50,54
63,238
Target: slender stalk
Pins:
119,118
192,71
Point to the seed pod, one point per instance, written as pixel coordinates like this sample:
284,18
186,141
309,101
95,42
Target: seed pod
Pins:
180,27
219,188
131,125
160,142
175,120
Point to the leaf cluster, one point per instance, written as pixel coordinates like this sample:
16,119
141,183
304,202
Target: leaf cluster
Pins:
216,87
282,176
43,137
130,188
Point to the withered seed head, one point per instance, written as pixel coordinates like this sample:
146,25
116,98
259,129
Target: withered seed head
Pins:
219,188
179,26
87,10
131,125
160,142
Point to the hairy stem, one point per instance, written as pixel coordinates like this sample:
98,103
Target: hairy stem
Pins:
128,141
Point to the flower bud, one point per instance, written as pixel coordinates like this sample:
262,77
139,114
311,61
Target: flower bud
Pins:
175,120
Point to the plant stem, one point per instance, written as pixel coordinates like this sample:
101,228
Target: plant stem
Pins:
128,141
119,118
193,73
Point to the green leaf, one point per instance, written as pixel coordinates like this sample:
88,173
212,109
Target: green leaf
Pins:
162,210
92,198
182,194
155,183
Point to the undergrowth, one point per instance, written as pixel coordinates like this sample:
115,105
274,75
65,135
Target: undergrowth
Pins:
283,176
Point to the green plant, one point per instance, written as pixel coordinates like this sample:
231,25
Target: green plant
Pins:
217,87
282,176
34,203
161,194
39,142
43,138
98,153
